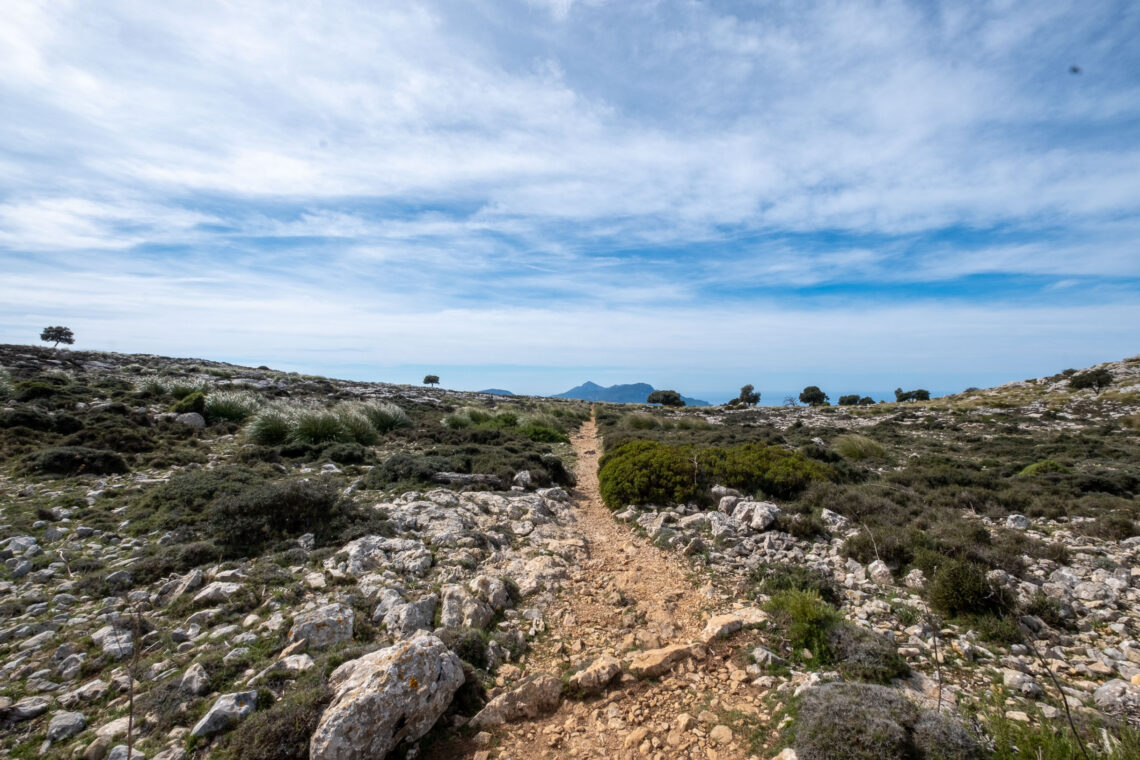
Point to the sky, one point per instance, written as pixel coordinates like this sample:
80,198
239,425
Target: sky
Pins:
531,194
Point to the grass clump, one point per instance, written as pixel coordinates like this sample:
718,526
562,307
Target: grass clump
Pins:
858,447
316,427
270,426
5,384
232,406
357,426
776,577
385,416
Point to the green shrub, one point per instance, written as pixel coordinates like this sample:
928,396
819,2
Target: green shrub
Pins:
960,588
281,732
182,500
1114,526
5,384
858,447
843,721
180,389
317,426
1044,467
347,453
864,655
27,417
543,434
1099,379
249,521
1048,609
77,460
646,472
385,416
468,644
232,406
270,426
403,468
773,578
755,467
805,621
193,402
30,390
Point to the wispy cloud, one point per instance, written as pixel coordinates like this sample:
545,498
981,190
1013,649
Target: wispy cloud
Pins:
544,158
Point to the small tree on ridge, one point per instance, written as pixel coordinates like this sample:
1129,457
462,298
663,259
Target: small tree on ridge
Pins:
431,379
58,335
665,398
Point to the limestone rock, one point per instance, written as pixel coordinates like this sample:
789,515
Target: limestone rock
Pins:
719,626
65,725
757,515
538,696
405,619
880,573
462,609
218,591
195,680
324,626
192,419
657,662
596,676
229,709
385,697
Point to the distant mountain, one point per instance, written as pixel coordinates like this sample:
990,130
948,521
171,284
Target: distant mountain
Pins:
630,393
497,392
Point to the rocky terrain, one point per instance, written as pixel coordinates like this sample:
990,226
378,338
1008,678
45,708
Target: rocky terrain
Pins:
231,574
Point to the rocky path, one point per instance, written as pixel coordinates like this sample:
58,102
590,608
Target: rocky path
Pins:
633,604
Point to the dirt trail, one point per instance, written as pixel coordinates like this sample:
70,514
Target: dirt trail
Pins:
629,595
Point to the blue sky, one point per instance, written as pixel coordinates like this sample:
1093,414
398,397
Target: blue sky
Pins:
531,194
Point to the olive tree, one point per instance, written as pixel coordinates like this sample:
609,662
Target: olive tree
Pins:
748,396
57,335
665,398
431,379
813,396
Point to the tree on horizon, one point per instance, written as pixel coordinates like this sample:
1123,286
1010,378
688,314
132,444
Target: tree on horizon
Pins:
431,379
57,335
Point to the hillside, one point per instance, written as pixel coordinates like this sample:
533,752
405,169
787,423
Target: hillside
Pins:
631,393
233,562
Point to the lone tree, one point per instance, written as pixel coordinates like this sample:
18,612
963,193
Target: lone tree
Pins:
748,396
431,379
813,396
665,398
1097,379
57,335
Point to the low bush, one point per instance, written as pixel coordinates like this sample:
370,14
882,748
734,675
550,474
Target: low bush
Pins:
960,588
864,655
192,402
754,467
181,502
247,522
282,731
1114,526
5,384
27,417
646,472
347,453
231,406
641,421
77,460
1044,467
540,433
773,578
469,645
805,622
843,721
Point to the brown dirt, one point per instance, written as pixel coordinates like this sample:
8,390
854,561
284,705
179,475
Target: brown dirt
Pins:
627,595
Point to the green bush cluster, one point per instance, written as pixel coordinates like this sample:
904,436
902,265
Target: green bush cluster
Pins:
247,522
648,472
960,588
5,384
858,447
77,460
413,470
772,578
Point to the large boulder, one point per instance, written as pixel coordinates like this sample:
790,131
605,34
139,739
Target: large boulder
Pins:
757,515
404,556
385,697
